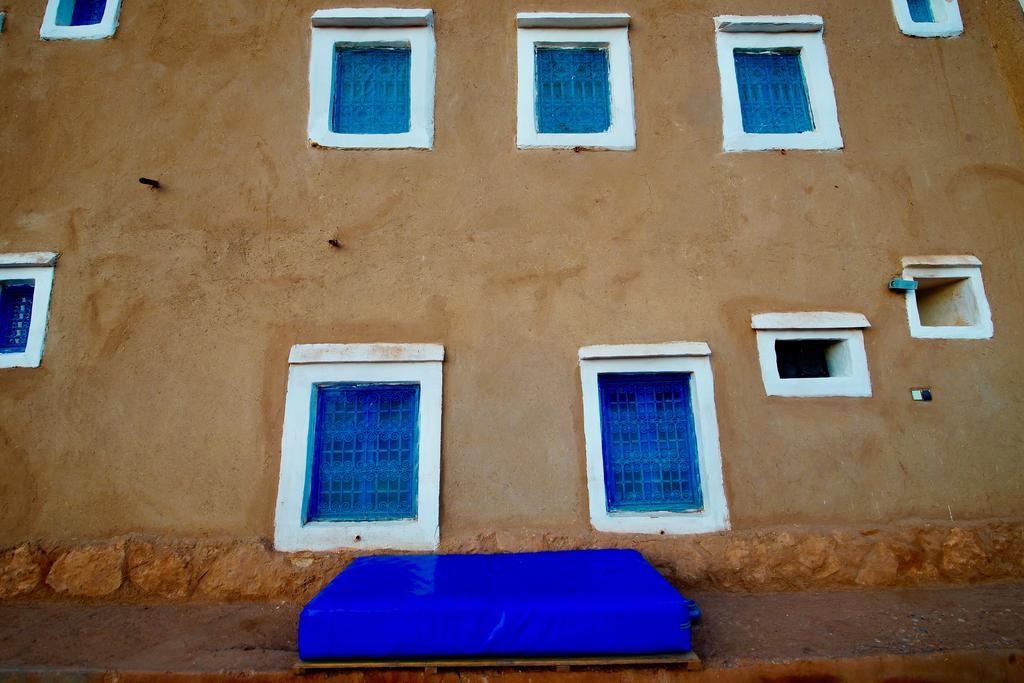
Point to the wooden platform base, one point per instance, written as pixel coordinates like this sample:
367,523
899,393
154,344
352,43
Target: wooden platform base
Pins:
686,659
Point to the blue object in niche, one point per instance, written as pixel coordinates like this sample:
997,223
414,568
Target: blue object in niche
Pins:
15,316
365,452
773,94
649,442
80,12
572,603
371,90
921,10
572,90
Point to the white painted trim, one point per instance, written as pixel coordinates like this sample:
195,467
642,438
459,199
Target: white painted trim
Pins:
421,533
947,22
809,320
800,23
32,356
365,353
621,135
104,29
421,86
371,17
715,514
31,258
571,20
925,261
645,350
982,329
852,377
820,90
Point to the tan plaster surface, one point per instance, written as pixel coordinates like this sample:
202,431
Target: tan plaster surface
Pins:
159,404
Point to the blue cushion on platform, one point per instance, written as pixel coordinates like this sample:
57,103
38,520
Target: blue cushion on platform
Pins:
581,602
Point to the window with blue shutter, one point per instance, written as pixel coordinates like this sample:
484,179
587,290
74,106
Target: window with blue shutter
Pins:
921,10
15,315
80,12
371,90
365,452
649,443
572,90
773,94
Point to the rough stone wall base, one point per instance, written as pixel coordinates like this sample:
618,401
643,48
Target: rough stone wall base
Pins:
144,568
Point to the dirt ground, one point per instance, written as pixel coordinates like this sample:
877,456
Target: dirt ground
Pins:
736,631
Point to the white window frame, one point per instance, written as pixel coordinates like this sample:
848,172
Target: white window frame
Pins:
575,30
104,29
801,32
687,357
37,266
374,27
845,328
314,364
947,22
960,266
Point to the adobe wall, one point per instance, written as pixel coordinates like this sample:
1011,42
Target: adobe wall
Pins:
159,405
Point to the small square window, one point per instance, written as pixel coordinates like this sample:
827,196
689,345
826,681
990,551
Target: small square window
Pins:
572,90
371,90
950,301
371,77
575,81
777,92
928,18
80,19
361,450
653,458
773,95
812,354
25,284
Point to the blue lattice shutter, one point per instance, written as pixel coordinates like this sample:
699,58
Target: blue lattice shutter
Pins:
371,90
773,94
572,90
15,316
88,12
921,10
649,442
365,452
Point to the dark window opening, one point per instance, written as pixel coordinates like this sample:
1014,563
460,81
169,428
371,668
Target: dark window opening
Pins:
804,358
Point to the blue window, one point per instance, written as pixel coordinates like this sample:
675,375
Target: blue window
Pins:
921,10
572,90
80,12
365,452
773,94
15,315
371,90
649,442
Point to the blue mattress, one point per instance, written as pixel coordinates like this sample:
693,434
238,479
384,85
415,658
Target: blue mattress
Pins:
574,603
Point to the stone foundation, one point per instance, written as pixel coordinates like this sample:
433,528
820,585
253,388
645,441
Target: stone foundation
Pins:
784,559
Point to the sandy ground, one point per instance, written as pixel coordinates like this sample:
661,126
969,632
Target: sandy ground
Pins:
736,630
